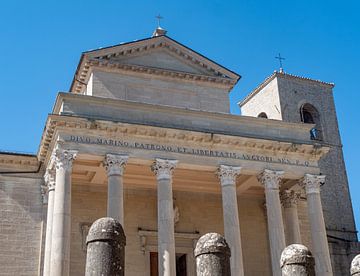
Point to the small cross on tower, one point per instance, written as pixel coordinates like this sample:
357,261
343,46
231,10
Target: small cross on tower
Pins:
159,17
280,58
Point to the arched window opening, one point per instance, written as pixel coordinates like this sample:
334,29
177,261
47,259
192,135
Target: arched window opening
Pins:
310,115
262,115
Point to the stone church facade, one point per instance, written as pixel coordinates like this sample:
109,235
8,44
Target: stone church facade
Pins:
145,136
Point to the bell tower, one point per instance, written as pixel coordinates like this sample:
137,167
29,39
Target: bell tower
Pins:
302,100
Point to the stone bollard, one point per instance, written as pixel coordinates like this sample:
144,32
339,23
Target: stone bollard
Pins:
105,248
297,260
355,266
212,255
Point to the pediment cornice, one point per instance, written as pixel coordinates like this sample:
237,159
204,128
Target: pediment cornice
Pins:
213,72
71,124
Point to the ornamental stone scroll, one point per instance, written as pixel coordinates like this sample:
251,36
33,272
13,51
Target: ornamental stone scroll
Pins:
163,168
115,164
312,183
270,179
228,174
64,158
289,198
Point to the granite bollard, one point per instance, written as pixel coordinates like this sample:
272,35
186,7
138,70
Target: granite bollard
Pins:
105,248
355,266
297,260
212,255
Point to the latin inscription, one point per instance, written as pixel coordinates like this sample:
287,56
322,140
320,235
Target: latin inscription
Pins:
184,150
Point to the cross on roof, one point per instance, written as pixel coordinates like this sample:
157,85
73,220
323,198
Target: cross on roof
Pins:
280,58
159,17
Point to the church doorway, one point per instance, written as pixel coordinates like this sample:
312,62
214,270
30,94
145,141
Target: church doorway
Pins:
180,264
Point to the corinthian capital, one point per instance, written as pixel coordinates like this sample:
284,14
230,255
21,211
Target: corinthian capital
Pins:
64,158
289,198
228,174
115,164
49,178
312,183
163,168
270,179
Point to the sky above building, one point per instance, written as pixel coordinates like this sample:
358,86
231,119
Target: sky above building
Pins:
41,43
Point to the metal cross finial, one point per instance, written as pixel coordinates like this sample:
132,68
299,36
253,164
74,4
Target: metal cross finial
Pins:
280,58
159,17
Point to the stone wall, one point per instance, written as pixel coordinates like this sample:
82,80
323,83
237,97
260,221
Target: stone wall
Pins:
158,91
20,225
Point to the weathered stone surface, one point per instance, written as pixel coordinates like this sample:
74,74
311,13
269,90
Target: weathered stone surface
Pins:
355,266
105,248
297,260
212,255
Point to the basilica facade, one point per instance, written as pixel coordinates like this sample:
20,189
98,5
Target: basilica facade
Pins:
145,136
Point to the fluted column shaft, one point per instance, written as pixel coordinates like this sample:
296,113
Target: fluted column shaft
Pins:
320,249
50,183
227,175
166,240
60,245
290,199
115,165
271,181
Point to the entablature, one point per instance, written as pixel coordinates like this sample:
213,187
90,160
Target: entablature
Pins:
147,142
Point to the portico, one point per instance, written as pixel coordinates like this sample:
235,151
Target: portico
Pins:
121,161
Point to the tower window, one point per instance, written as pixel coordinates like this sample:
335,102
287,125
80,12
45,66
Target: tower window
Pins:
310,115
262,115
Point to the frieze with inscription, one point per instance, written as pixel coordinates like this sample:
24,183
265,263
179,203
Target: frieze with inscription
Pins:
185,150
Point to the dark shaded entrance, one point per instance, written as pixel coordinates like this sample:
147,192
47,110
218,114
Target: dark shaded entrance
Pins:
180,264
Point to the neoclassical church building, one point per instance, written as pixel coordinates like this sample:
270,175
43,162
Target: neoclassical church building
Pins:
145,135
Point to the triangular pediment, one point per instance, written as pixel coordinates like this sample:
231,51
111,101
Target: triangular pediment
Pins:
161,55
161,59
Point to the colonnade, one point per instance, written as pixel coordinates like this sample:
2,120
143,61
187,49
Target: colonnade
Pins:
57,244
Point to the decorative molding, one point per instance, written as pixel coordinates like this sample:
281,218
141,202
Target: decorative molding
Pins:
270,179
44,193
115,164
103,56
163,168
160,72
312,183
228,174
289,198
176,213
55,122
64,158
147,236
49,178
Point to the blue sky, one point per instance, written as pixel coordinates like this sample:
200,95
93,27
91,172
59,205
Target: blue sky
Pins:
41,42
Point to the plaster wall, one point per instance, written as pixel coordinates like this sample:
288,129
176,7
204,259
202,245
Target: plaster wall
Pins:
266,100
198,212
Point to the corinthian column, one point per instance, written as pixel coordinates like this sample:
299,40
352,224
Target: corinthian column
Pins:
289,199
166,241
320,250
50,183
227,175
271,181
60,245
115,165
